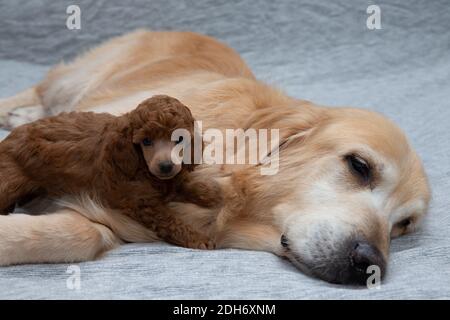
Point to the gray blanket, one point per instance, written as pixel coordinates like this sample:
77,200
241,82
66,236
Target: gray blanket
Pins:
316,50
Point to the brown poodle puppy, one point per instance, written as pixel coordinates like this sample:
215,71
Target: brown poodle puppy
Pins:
101,155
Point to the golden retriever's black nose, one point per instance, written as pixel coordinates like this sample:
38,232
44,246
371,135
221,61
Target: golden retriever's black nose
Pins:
362,256
166,167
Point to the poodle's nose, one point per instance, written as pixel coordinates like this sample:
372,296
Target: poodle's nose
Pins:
165,166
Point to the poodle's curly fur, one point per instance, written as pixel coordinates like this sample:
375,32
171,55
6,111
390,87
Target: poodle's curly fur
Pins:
100,155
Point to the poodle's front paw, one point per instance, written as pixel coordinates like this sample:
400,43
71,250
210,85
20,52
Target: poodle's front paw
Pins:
206,244
208,195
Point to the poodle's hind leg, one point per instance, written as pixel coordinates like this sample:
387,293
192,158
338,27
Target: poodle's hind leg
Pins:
14,186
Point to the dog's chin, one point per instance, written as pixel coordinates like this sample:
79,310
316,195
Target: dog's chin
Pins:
161,176
165,177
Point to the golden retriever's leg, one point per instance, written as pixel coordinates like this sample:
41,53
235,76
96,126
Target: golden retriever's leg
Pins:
65,236
25,98
20,109
250,235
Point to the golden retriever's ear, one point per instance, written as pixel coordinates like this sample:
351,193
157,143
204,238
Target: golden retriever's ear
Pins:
288,137
294,135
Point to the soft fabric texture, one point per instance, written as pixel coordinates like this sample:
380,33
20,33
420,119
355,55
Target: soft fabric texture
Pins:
316,50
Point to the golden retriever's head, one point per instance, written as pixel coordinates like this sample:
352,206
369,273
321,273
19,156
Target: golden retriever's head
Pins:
353,182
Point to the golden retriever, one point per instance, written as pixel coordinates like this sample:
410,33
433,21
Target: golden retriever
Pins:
348,180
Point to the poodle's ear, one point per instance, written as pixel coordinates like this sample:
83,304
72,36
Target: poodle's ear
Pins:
190,167
137,136
125,156
197,145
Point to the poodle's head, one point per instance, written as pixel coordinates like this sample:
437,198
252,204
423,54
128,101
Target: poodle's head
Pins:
163,127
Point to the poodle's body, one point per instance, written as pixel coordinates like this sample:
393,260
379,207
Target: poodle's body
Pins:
77,154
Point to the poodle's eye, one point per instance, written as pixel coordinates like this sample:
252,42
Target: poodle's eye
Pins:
147,142
359,167
180,139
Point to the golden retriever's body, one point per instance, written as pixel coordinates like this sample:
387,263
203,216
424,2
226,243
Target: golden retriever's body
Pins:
314,201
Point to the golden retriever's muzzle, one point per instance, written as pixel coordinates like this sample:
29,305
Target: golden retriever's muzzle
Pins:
347,264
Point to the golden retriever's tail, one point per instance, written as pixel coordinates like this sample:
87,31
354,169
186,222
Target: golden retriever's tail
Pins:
124,227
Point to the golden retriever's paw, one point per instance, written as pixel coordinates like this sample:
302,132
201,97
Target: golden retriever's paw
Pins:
3,121
21,116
